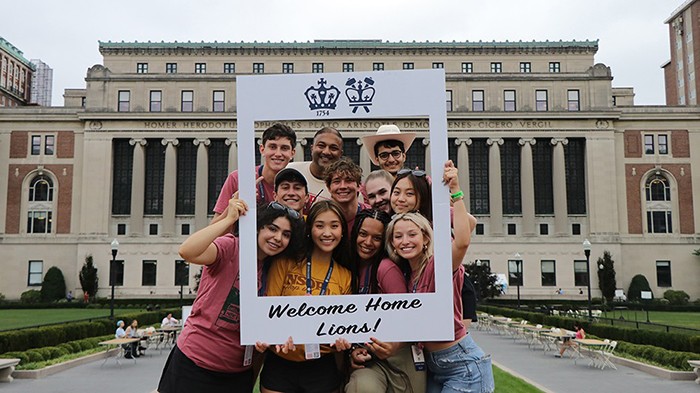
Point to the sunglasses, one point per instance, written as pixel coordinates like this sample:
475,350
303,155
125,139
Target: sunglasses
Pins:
291,212
415,173
396,154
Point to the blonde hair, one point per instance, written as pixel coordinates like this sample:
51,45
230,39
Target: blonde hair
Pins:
424,225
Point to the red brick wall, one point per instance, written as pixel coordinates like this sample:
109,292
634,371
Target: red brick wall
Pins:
63,199
633,144
65,144
680,144
19,144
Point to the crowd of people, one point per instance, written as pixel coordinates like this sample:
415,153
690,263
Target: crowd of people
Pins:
322,231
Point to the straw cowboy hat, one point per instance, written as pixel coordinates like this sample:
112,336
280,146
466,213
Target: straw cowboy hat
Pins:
387,132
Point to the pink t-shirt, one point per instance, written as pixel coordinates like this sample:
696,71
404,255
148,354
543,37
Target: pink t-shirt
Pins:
390,279
231,185
211,335
426,284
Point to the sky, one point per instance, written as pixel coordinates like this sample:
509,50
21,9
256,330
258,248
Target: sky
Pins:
633,40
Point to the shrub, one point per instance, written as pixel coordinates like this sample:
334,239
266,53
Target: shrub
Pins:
676,297
22,356
638,284
34,356
606,275
54,286
31,296
2,298
75,347
88,277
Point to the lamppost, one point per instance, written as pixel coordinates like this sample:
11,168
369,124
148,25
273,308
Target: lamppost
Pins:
587,251
519,273
115,249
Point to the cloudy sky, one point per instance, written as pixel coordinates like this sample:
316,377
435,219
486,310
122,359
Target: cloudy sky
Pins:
64,34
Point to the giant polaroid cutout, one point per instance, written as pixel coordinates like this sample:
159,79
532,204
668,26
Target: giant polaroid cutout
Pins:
348,96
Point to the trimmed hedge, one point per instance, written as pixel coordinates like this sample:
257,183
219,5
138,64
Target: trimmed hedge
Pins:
48,353
658,355
671,341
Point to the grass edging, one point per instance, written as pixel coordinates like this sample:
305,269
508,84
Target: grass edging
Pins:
56,368
519,376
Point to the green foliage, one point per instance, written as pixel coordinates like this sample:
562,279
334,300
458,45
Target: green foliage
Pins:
2,297
31,296
22,356
54,286
88,277
697,252
674,359
34,355
197,278
676,297
606,275
639,283
484,282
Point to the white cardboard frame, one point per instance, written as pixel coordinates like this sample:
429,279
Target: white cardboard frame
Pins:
392,94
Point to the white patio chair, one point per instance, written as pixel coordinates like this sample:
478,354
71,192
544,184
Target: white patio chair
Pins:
606,354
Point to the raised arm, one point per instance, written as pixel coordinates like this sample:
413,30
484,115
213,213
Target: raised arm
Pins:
199,248
464,222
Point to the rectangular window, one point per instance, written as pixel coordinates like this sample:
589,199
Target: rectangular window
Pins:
49,145
118,274
35,276
36,145
509,100
141,68
121,229
317,68
148,273
156,101
659,221
648,144
185,229
124,96
171,68
448,100
663,144
580,274
544,229
549,276
153,229
218,98
525,67
258,68
438,65
515,273
377,66
187,101
200,68
512,229
229,68
541,104
408,66
348,67
574,100
467,68
663,273
182,273
575,229
477,100
554,66
287,68
480,228
39,221
496,67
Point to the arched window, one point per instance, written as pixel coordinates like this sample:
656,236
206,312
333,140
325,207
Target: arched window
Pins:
657,189
41,189
658,204
40,205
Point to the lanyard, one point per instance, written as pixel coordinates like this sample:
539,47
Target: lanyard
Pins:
263,279
324,286
261,188
364,289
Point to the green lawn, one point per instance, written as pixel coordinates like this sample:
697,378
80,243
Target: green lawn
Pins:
508,383
15,319
673,318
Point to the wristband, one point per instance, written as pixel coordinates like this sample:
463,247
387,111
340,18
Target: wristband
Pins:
457,194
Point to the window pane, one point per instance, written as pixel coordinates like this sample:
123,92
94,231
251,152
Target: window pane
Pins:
182,273
663,273
548,273
148,273
36,145
35,272
515,274
580,273
49,145
649,144
663,144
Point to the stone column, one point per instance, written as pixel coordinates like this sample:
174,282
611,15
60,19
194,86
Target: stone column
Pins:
169,186
232,154
561,219
426,143
365,162
138,187
299,150
495,189
201,185
463,166
527,186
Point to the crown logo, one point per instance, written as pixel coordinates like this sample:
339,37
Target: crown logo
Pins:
322,97
360,95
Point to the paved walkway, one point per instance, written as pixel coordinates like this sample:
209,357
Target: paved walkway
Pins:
561,375
550,373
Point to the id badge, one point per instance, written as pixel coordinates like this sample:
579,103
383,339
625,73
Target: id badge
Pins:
248,356
418,357
312,351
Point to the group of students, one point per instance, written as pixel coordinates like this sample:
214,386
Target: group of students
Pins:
310,243
135,349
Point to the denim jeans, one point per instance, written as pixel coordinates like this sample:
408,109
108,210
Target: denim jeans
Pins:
462,367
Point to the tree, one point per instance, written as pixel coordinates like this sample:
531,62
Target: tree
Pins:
54,285
697,252
639,283
606,275
484,281
88,277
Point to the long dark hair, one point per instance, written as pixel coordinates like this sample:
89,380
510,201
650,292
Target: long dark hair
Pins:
340,253
420,185
382,217
268,214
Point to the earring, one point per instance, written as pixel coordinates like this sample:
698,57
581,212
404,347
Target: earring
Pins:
425,247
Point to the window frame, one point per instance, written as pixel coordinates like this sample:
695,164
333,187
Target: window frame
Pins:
378,66
316,68
467,67
573,105
408,65
258,68
661,150
525,67
496,67
548,279
35,148
512,101
218,105
348,67
190,102
142,68
517,274
49,148
555,67
287,68
581,277
144,271
661,275
180,266
31,274
200,68
123,105
475,101
229,68
438,65
118,274
155,105
539,102
171,68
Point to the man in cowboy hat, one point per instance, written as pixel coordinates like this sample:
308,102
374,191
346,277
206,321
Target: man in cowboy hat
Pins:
388,146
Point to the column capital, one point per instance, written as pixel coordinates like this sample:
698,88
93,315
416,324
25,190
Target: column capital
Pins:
227,142
140,141
302,141
425,141
466,141
166,141
498,141
523,141
204,141
563,141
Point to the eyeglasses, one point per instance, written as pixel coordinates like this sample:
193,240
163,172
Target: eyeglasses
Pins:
415,173
291,212
396,154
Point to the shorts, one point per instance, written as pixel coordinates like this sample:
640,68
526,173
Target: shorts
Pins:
310,376
462,367
181,374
